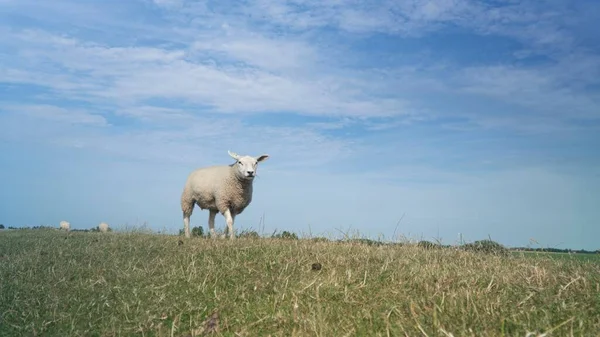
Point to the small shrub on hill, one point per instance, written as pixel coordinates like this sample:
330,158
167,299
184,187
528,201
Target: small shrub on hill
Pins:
248,234
319,239
198,231
42,227
364,241
285,235
486,246
428,245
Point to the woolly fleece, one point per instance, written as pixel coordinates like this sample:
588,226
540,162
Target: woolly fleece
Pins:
220,189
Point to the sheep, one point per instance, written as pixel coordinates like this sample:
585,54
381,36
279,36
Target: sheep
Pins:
225,189
103,227
64,225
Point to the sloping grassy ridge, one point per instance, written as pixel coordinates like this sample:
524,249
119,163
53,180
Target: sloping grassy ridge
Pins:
122,284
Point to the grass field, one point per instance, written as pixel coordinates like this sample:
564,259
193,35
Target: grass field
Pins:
94,284
561,256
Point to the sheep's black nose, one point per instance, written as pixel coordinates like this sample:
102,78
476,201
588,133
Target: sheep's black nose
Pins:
250,173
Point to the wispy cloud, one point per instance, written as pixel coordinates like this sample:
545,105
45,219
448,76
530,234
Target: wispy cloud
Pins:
241,61
242,64
57,114
135,74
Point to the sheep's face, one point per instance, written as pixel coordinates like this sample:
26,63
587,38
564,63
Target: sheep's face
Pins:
246,165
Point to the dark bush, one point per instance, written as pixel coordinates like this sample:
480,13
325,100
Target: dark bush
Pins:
320,239
198,231
97,229
285,235
486,246
41,227
368,242
428,245
248,234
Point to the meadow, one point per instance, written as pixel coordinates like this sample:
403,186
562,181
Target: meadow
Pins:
55,283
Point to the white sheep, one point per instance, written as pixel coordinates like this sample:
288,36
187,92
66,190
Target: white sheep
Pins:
225,189
103,227
65,225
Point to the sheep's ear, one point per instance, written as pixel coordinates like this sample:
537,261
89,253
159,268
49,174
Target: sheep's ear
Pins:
262,157
233,155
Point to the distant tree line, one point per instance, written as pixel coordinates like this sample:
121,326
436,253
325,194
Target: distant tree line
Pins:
557,250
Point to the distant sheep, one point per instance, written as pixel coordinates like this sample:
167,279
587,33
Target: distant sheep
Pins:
103,227
225,189
64,225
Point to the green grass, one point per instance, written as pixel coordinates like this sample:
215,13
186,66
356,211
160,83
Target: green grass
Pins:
562,256
94,284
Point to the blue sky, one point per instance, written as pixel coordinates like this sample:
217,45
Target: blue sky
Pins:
472,117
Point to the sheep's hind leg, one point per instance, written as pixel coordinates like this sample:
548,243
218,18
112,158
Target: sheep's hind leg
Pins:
187,209
211,223
229,218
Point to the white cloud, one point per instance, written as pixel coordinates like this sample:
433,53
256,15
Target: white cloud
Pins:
541,89
157,115
138,73
260,51
236,66
58,114
170,135
398,17
167,2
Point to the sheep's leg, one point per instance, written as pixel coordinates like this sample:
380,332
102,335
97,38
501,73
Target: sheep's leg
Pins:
211,223
229,219
187,207
232,235
186,225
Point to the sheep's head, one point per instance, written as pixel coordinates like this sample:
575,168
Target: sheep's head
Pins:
246,165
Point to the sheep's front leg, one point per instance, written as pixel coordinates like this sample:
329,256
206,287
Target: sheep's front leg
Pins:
211,223
229,218
186,226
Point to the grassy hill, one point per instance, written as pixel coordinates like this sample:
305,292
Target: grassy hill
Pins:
95,284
